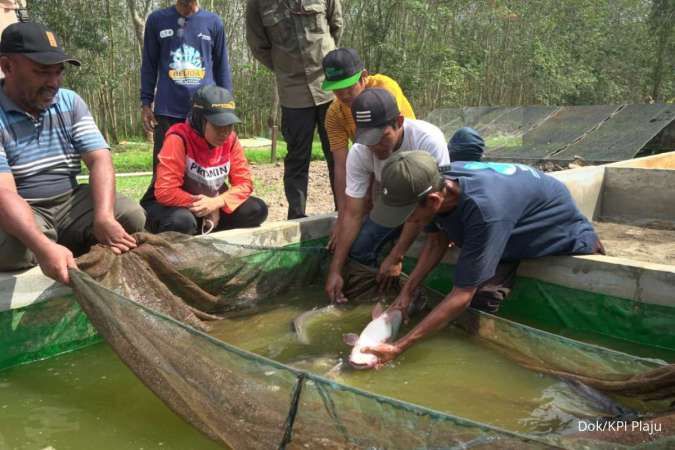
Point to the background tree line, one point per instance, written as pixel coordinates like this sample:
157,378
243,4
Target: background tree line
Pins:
444,53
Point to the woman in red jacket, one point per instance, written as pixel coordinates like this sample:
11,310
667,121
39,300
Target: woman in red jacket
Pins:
203,180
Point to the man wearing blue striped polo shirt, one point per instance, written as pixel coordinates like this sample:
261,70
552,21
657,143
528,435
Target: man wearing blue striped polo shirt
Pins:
44,133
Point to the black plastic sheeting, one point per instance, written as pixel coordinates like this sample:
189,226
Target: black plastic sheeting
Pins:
625,134
596,133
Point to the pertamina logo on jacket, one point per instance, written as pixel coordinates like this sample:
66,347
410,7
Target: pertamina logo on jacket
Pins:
209,181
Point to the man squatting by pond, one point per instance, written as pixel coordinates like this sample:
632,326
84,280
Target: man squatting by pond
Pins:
496,213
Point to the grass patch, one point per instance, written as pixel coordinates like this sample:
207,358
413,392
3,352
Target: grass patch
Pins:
503,140
263,155
264,188
133,187
130,156
134,156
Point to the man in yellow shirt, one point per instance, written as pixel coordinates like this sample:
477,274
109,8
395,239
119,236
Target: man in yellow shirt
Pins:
346,76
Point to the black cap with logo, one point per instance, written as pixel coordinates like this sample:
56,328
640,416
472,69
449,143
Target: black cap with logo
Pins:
35,42
216,104
372,110
342,68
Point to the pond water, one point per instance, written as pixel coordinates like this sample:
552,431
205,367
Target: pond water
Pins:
89,399
450,372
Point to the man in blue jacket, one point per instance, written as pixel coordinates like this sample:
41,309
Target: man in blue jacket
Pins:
184,48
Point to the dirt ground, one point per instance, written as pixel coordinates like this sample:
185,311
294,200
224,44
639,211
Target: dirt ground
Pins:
269,185
654,244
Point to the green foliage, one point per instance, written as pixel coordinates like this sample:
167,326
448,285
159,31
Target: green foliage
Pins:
442,52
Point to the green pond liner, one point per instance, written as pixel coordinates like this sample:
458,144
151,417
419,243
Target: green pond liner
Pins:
245,400
43,330
563,309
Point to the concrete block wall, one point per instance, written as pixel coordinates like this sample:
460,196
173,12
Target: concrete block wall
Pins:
585,185
638,195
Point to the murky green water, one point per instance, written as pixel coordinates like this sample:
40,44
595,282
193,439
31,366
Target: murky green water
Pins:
450,372
89,399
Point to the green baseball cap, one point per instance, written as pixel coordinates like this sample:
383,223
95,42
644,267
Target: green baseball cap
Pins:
342,68
406,178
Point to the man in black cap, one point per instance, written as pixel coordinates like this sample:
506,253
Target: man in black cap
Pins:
381,131
44,133
347,77
496,213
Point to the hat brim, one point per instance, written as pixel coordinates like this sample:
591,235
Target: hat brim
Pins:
368,136
390,216
50,58
341,84
222,118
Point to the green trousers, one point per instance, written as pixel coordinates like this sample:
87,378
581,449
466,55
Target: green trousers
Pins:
68,220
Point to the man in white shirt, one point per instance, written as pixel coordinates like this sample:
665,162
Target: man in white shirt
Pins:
381,130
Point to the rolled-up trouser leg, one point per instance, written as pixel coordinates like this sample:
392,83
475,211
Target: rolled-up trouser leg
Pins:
494,291
14,255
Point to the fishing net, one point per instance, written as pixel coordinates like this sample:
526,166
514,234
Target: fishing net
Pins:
155,305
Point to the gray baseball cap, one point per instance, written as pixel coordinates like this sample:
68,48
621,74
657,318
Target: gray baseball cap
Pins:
406,178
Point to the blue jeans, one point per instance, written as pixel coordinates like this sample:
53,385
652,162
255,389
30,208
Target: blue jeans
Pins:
372,237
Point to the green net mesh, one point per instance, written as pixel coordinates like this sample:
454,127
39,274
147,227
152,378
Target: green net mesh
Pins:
154,306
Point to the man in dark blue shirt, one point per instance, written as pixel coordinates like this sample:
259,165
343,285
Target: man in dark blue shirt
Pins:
184,48
496,213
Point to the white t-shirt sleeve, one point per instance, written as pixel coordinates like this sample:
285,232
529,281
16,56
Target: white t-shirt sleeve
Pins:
435,144
359,168
428,137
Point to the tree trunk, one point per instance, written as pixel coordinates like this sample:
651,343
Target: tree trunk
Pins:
137,21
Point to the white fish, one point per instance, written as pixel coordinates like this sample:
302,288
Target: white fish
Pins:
383,328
